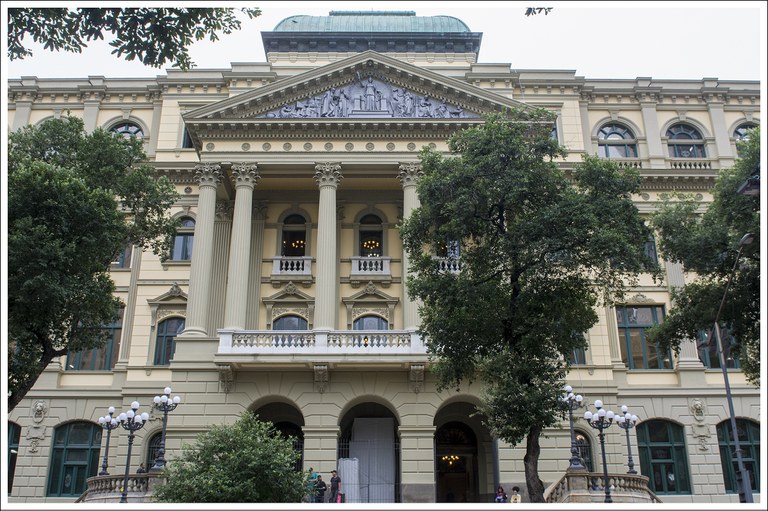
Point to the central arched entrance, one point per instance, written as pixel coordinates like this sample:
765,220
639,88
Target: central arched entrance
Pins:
369,454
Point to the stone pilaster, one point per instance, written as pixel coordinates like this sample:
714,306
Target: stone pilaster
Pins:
409,175
320,449
208,177
328,177
417,455
244,177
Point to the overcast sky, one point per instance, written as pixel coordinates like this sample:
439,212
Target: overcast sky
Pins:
688,40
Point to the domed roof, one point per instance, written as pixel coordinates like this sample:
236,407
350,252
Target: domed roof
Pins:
372,21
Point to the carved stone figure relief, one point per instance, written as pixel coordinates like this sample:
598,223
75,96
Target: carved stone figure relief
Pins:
369,97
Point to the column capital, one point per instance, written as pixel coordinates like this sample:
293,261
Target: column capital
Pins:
410,172
208,174
328,174
244,175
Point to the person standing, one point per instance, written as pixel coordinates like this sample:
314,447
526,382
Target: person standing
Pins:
335,486
311,485
320,488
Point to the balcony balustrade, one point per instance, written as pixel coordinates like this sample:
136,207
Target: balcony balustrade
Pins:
448,264
694,164
314,344
368,266
283,265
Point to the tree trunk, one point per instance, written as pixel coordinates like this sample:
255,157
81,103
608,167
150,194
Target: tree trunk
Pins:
531,465
15,396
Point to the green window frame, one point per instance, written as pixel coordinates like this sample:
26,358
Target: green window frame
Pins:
184,240
165,345
636,351
74,458
290,322
14,436
100,359
706,345
616,141
663,457
127,129
685,142
749,441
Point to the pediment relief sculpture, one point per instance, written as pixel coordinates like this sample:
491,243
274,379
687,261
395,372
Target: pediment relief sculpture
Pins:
369,97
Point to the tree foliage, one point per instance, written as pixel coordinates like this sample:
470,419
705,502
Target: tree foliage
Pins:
154,36
707,244
538,252
75,200
248,461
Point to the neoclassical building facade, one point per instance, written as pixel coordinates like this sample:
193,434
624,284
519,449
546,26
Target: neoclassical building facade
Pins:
284,291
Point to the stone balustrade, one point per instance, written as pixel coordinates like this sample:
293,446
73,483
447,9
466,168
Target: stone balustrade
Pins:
311,343
283,265
690,164
581,486
109,488
370,265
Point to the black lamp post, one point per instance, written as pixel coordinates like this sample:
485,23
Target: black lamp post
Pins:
627,422
131,422
742,476
601,421
109,423
165,404
572,402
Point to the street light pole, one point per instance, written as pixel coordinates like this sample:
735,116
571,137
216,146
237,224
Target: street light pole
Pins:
742,476
131,422
626,422
572,402
165,404
109,423
601,421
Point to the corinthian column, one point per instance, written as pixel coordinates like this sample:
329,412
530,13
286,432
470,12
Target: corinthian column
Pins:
409,175
208,177
244,177
328,176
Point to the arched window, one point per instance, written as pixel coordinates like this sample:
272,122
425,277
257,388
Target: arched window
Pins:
371,236
616,141
182,243
14,435
294,236
74,458
742,131
290,323
749,441
127,129
685,141
167,330
663,458
585,449
100,359
153,447
370,322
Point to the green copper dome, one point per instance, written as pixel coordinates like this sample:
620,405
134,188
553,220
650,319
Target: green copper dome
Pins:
372,21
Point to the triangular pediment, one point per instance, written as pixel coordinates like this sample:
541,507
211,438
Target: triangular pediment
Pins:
368,85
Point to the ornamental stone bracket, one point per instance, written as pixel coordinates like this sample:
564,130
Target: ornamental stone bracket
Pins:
226,378
416,378
322,378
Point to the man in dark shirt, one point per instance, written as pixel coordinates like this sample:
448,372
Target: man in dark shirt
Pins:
335,485
320,488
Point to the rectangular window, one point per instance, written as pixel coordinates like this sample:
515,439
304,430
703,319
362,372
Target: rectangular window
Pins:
124,259
99,359
708,352
636,351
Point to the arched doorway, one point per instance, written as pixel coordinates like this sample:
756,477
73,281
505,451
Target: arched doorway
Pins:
456,463
288,420
463,455
369,454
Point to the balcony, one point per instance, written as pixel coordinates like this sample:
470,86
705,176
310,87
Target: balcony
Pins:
295,269
246,347
690,164
448,264
367,268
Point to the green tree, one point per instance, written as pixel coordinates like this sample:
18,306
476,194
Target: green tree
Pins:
537,254
248,461
75,200
707,244
154,36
